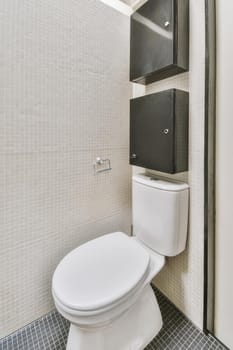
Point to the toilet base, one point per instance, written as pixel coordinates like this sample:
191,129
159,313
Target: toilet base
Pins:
133,330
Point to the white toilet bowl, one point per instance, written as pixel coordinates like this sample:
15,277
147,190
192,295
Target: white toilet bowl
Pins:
103,286
103,289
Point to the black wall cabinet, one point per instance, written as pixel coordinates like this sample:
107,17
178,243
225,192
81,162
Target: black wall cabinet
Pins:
159,40
159,131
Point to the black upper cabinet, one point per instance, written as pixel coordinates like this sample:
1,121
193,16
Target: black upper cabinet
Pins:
159,131
159,46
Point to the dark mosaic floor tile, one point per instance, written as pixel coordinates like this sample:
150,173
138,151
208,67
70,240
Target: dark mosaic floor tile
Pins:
50,333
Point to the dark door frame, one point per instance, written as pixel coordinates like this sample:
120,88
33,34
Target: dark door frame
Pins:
209,167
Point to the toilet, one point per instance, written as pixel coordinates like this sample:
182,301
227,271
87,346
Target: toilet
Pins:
103,287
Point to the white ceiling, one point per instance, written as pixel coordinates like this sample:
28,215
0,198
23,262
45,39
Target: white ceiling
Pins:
128,2
126,7
133,3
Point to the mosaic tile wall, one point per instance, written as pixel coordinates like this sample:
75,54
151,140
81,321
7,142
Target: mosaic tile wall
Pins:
64,101
181,280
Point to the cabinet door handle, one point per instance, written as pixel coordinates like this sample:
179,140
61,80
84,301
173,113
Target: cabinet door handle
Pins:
166,131
133,156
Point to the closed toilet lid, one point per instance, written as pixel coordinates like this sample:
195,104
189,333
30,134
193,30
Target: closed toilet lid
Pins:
100,272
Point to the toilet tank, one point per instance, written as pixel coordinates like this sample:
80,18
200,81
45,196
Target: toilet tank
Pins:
160,214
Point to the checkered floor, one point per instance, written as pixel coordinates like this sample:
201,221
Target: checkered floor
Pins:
50,333
178,333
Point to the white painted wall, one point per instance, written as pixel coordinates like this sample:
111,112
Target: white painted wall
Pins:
64,94
224,170
182,277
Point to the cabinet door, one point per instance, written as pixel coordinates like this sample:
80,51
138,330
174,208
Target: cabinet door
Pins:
159,45
152,131
151,38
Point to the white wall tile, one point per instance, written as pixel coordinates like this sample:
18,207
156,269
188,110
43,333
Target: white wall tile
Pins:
64,94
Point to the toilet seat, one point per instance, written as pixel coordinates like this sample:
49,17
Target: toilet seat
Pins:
100,274
102,316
